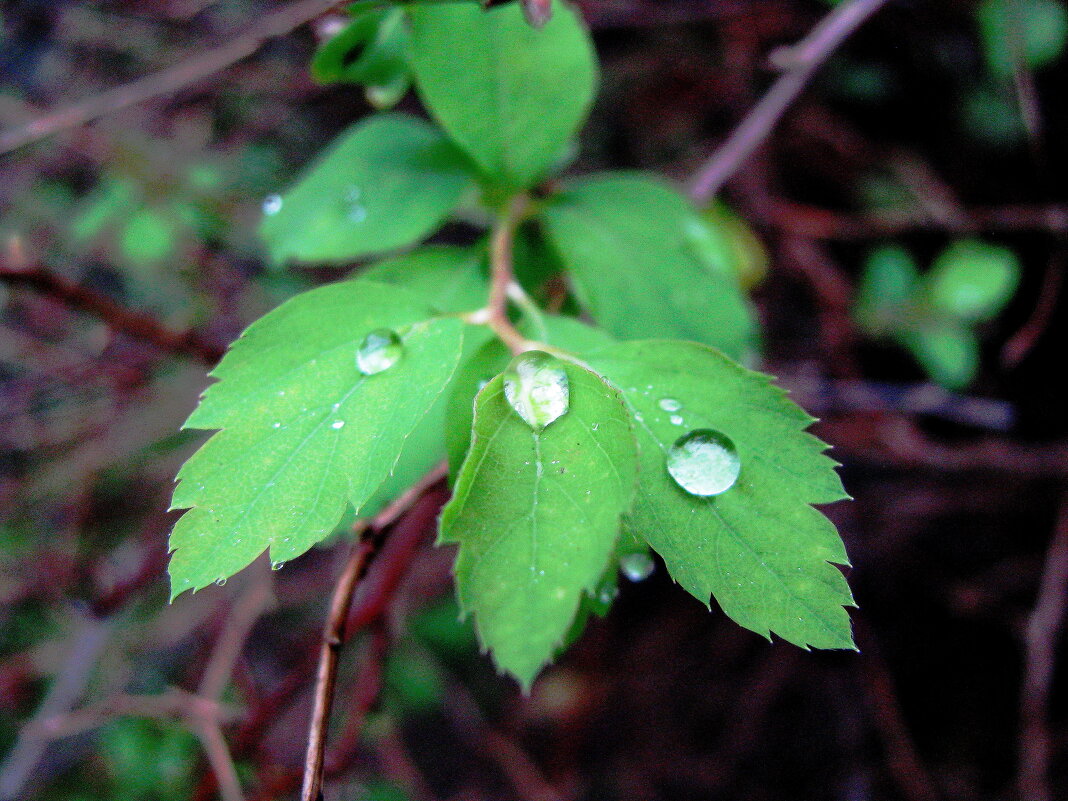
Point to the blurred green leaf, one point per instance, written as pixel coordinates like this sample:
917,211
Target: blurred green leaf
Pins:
148,238
973,280
370,51
1035,29
887,289
947,351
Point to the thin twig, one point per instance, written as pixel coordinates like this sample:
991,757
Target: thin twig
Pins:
167,81
799,64
120,318
222,764
1040,647
334,632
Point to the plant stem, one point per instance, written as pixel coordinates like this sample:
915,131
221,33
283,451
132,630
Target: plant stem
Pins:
502,276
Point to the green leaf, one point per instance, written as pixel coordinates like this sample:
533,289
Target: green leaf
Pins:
371,51
476,371
387,182
629,242
972,280
303,433
509,95
1037,29
537,517
887,289
947,350
759,548
451,279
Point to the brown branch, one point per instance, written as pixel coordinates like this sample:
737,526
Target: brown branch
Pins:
335,630
120,318
1044,628
189,71
799,63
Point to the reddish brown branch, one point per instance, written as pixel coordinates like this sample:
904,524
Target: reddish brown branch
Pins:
336,629
135,324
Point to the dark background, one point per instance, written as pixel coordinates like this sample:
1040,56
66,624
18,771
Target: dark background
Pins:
958,533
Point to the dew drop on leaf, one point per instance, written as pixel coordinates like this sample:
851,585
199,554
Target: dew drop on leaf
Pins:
380,350
272,204
337,424
676,420
277,565
704,462
536,386
220,582
637,566
669,404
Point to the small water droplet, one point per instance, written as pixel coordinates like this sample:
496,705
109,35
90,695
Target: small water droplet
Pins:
352,193
669,404
272,204
277,565
276,425
337,424
357,213
704,462
380,350
676,420
220,582
637,566
536,386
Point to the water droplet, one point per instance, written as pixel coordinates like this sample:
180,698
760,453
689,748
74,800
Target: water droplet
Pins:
352,194
669,404
637,566
337,424
536,386
272,204
676,420
220,582
380,350
277,565
704,462
357,213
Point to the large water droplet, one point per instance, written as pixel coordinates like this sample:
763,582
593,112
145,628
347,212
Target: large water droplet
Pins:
380,350
637,566
272,204
669,404
536,386
704,462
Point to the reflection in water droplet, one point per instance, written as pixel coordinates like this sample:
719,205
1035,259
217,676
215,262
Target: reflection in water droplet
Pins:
380,350
637,566
536,386
669,404
704,462
272,204
676,420
277,565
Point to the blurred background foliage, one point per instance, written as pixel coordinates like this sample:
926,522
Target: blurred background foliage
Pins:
903,236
